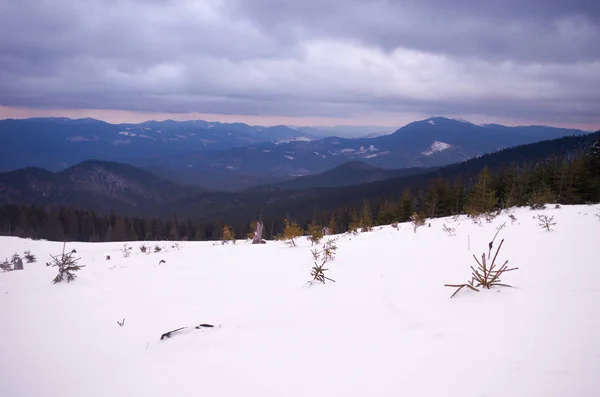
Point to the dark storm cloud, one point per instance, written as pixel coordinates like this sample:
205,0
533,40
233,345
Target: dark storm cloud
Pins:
536,59
534,30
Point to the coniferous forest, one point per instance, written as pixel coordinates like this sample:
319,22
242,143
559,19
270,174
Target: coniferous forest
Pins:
573,177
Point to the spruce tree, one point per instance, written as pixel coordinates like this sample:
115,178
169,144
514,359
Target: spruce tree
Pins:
482,198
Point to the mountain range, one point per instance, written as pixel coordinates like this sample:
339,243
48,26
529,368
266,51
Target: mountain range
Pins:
103,186
237,156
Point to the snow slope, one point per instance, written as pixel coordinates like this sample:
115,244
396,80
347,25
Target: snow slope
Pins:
387,327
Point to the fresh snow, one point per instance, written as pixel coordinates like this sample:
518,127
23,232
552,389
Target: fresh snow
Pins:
288,157
386,327
437,146
432,122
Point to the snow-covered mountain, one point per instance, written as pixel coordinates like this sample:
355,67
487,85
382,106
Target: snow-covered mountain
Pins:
431,142
386,327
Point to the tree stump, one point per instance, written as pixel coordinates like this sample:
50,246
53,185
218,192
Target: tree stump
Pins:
258,234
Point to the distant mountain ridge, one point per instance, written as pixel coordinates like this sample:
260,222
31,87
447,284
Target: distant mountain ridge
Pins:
421,144
236,156
57,143
97,185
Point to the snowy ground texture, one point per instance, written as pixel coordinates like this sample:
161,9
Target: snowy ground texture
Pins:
386,327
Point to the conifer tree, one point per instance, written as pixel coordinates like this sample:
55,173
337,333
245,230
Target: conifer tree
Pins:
482,198
291,232
366,219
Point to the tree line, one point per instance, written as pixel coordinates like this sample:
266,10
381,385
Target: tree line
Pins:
570,179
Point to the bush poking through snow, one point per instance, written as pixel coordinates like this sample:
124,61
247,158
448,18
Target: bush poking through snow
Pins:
29,257
315,234
485,276
126,251
512,218
450,230
143,248
546,222
67,266
417,220
157,248
121,323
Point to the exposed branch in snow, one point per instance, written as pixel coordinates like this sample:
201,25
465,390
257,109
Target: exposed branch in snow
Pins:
491,243
450,230
167,335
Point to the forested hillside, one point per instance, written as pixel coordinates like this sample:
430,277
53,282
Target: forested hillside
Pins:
565,171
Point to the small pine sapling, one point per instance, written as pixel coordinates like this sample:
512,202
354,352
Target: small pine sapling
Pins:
291,232
417,220
126,251
6,265
450,230
67,266
228,235
29,257
320,259
546,222
485,276
329,249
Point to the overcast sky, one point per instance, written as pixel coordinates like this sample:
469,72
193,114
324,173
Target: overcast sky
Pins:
303,61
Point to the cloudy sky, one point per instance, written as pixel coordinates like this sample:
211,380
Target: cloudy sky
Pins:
309,62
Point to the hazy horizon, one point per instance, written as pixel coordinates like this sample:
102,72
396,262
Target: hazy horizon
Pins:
125,117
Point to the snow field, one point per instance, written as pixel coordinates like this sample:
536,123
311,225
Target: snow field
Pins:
386,327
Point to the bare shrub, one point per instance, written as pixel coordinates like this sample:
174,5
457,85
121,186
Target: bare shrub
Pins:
29,257
450,230
157,248
67,266
395,225
512,218
143,248
546,222
484,276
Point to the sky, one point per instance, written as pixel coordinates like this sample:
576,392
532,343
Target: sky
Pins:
303,62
